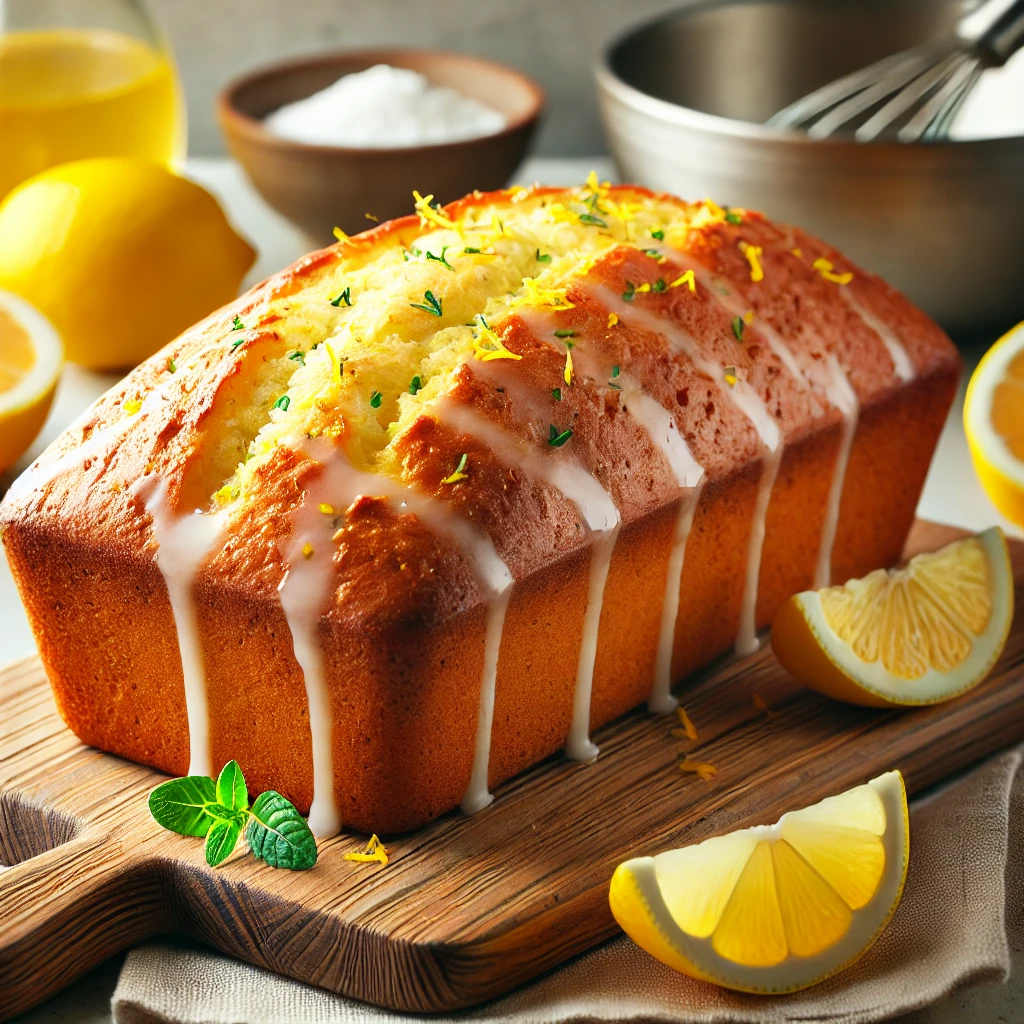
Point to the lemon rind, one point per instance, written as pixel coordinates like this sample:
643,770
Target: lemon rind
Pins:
986,445
49,355
934,686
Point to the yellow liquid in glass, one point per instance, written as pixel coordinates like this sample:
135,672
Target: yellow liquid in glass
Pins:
76,93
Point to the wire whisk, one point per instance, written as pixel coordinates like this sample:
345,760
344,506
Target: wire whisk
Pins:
915,95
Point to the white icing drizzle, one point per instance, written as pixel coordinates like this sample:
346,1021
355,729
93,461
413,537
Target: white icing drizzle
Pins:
844,398
900,359
305,596
184,543
661,701
747,400
598,511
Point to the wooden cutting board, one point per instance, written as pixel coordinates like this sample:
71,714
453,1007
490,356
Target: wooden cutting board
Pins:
469,907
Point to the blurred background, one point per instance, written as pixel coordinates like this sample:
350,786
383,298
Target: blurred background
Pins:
553,41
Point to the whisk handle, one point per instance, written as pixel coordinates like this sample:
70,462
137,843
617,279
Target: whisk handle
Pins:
995,28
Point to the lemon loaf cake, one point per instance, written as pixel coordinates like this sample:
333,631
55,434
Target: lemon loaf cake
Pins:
440,500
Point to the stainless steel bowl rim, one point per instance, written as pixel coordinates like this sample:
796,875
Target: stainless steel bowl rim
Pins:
690,117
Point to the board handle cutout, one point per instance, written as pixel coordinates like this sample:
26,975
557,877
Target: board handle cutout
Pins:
67,910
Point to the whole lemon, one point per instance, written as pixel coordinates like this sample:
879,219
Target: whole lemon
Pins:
120,255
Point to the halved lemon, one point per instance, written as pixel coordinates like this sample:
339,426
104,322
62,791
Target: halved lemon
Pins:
916,635
774,908
994,423
31,356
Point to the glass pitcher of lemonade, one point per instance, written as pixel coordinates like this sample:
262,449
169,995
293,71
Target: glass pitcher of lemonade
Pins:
82,78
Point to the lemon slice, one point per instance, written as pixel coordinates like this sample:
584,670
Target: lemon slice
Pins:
994,423
30,362
774,908
916,635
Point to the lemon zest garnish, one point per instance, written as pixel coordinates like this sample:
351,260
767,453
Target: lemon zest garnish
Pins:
535,295
335,362
307,551
560,213
824,267
517,192
688,727
748,317
328,510
567,372
687,279
224,495
340,235
487,345
458,474
753,254
709,213
613,319
701,768
132,406
730,375
375,852
645,287
428,215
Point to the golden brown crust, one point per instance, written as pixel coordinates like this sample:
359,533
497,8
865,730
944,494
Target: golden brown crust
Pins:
403,637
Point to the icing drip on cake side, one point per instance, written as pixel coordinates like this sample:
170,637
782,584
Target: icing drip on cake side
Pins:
184,544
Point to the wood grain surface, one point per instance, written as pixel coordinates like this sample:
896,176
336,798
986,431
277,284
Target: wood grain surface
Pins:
469,907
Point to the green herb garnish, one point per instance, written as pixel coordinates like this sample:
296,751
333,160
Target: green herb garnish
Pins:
737,327
282,403
590,218
655,254
630,293
375,399
345,296
469,250
432,305
415,384
298,357
659,285
440,259
615,371
556,439
732,218
236,324
220,811
543,257
658,234
556,394
236,343
565,334
172,366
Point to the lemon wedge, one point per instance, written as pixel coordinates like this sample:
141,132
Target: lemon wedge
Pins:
917,635
30,360
994,423
774,908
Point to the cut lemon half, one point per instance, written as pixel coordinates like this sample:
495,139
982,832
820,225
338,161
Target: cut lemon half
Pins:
994,423
30,360
916,635
774,908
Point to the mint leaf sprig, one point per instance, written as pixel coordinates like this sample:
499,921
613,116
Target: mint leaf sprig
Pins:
219,811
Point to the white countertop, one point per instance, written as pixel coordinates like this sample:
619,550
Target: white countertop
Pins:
952,495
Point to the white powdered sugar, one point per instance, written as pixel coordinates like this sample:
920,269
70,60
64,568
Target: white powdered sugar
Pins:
383,107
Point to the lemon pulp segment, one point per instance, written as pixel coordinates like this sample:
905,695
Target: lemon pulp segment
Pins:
915,635
925,616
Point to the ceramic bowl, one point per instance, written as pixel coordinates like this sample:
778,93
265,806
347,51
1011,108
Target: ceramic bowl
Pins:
320,187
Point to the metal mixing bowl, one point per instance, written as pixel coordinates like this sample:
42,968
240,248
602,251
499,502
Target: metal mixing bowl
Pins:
683,99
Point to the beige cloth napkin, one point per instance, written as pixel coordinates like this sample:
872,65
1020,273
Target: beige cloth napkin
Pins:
967,855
